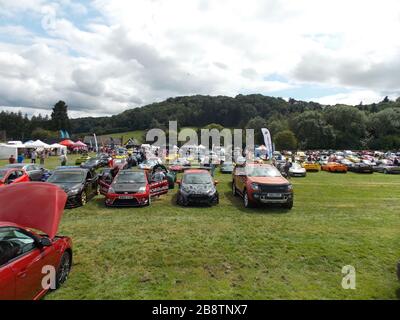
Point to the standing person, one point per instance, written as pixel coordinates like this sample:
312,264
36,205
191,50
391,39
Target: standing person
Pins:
63,159
288,165
33,156
42,156
11,159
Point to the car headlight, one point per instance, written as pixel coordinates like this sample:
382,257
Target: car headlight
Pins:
73,192
289,188
111,190
142,190
255,186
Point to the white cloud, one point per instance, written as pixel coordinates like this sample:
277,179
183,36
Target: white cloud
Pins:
137,52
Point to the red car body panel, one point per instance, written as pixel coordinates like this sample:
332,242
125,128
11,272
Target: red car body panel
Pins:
37,205
21,277
23,178
153,189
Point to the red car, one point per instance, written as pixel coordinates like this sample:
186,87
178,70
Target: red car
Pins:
13,175
29,260
132,188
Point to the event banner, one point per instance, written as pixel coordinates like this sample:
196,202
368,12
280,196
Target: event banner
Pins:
267,141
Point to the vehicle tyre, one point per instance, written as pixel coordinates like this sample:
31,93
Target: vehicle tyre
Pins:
148,201
63,269
83,198
246,201
234,191
288,205
385,171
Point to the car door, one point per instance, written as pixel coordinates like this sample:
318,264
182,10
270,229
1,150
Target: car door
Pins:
22,176
88,184
158,185
11,177
7,283
27,265
240,179
104,182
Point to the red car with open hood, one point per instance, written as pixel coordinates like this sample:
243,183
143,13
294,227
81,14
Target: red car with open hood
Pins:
13,175
32,258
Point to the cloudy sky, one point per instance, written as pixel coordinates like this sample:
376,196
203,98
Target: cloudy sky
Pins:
105,56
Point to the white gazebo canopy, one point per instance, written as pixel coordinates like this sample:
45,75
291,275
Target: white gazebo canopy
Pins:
37,145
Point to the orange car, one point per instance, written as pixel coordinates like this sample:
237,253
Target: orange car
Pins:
334,167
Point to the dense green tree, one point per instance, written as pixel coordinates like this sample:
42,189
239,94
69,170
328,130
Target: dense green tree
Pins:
59,116
312,131
257,124
349,125
285,140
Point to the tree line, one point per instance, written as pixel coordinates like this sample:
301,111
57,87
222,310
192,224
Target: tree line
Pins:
293,124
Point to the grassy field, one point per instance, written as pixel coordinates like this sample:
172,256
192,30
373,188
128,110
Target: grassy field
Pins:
226,252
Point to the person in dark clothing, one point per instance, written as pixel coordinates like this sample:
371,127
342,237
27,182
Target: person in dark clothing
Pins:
288,165
11,159
396,162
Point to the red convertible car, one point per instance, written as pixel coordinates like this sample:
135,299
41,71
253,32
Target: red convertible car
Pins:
132,188
33,259
13,175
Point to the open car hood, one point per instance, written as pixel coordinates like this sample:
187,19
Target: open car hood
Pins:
35,205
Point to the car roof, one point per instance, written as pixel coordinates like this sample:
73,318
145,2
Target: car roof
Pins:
71,169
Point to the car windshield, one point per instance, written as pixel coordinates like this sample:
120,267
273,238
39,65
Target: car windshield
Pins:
296,166
131,177
197,178
67,177
254,171
2,173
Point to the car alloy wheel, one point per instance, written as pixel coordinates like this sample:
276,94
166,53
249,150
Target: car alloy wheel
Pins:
83,198
64,269
246,199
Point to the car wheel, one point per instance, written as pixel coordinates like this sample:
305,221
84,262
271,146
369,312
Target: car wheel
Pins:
385,171
63,269
234,192
83,198
246,200
288,205
148,201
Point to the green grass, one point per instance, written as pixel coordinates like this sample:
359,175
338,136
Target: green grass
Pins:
226,252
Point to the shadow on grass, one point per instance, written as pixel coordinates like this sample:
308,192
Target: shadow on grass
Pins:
237,202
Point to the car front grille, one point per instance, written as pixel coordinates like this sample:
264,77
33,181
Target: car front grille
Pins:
273,188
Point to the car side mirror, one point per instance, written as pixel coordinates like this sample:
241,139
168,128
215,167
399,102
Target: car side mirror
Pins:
44,242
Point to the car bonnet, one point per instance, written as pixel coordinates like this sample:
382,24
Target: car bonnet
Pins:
33,205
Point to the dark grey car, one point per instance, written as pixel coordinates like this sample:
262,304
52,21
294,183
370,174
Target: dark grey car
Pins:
34,171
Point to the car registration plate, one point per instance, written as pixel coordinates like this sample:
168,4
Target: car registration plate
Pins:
274,195
125,197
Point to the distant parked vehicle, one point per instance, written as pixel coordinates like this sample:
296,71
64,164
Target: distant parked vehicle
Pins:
361,167
334,167
296,170
35,172
227,167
